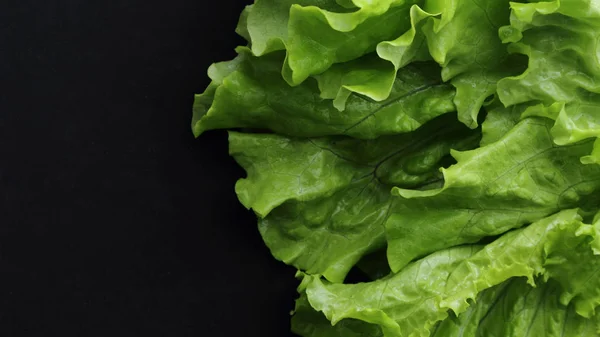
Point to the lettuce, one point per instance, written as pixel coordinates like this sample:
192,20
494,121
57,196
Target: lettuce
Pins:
449,149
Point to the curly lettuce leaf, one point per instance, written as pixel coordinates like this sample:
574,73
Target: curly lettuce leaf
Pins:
317,34
319,38
459,35
516,180
561,40
373,76
571,255
413,301
405,304
267,22
252,94
505,304
323,214
516,309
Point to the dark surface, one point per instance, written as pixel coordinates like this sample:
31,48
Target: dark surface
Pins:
114,220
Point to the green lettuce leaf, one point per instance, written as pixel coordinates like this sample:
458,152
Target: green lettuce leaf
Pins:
323,214
459,35
412,301
516,180
319,38
251,94
560,38
516,309
577,254
405,304
463,40
508,305
267,22
373,76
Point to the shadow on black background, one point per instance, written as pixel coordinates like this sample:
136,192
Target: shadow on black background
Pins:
114,220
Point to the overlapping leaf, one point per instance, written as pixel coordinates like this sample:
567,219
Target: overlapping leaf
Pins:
514,181
516,309
249,92
323,202
412,301
349,108
560,39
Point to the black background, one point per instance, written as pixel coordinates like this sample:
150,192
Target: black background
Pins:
114,220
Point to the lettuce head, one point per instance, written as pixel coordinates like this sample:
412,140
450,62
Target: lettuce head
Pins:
448,149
